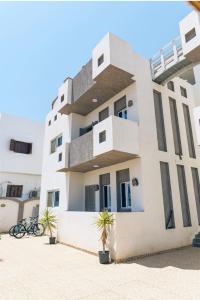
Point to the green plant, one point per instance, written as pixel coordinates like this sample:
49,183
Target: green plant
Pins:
103,224
48,220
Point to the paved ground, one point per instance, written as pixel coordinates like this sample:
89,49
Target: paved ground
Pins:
32,269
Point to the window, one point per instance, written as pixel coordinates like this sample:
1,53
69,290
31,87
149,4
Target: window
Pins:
123,114
196,185
100,60
120,108
160,126
190,35
53,198
189,132
170,86
62,98
183,196
59,141
175,127
183,92
55,143
55,117
106,197
60,156
167,195
14,191
102,136
125,193
49,124
20,147
103,114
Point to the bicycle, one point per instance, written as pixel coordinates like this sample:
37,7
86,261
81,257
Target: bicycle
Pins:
11,230
31,227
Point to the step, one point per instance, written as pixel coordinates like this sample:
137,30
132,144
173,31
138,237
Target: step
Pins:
194,244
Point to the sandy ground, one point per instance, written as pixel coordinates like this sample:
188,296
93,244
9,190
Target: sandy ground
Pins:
32,269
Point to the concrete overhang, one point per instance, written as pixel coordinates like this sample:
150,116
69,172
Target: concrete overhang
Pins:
106,85
104,160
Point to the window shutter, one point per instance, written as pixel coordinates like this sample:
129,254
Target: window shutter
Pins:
12,145
29,148
119,105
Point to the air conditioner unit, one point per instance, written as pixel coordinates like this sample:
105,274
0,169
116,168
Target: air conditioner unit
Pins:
33,194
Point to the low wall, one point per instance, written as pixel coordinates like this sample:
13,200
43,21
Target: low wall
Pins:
133,234
8,214
78,229
12,210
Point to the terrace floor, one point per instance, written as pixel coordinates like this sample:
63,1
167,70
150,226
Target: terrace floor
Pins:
32,269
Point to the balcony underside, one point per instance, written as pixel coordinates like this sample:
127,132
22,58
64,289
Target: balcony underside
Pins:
103,160
108,83
171,71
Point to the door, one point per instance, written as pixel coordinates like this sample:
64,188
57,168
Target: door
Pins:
90,198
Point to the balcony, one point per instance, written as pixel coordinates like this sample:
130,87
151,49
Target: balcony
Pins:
111,141
98,82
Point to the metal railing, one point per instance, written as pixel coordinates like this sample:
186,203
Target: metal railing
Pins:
169,55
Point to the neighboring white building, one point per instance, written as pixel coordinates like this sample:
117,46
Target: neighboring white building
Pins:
21,144
121,136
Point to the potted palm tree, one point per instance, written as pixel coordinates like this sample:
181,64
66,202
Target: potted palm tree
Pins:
48,220
103,223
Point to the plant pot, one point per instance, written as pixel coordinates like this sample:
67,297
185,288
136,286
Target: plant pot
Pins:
104,258
52,240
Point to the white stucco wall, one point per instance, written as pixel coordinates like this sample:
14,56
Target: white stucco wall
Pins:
8,214
28,208
21,129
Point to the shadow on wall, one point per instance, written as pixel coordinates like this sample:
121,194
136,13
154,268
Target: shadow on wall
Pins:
187,258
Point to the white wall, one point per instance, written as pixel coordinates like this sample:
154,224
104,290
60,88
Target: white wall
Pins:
8,214
28,208
29,182
21,129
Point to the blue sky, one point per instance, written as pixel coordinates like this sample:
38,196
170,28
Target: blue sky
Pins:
41,43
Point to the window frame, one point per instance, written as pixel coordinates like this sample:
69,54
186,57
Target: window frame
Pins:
57,144
123,111
18,191
53,200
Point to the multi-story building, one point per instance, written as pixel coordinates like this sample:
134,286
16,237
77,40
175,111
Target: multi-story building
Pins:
121,136
21,144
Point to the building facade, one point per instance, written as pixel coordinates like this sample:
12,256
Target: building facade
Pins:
21,144
121,136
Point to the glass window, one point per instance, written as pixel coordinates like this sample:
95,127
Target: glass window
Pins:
59,141
125,194
53,198
102,136
100,60
106,197
170,85
53,146
55,143
123,114
183,91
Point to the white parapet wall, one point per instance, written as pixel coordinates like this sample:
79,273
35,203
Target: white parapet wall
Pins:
131,235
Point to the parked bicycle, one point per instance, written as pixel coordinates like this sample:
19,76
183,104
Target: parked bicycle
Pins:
11,230
28,227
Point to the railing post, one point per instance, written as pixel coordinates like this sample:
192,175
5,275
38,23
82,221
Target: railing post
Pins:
162,59
175,51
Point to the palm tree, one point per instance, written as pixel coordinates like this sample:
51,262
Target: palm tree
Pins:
104,221
48,220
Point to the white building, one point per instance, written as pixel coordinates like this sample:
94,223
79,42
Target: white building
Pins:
21,144
121,135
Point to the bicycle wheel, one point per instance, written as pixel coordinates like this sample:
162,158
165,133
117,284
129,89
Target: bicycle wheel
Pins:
38,229
11,230
19,231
